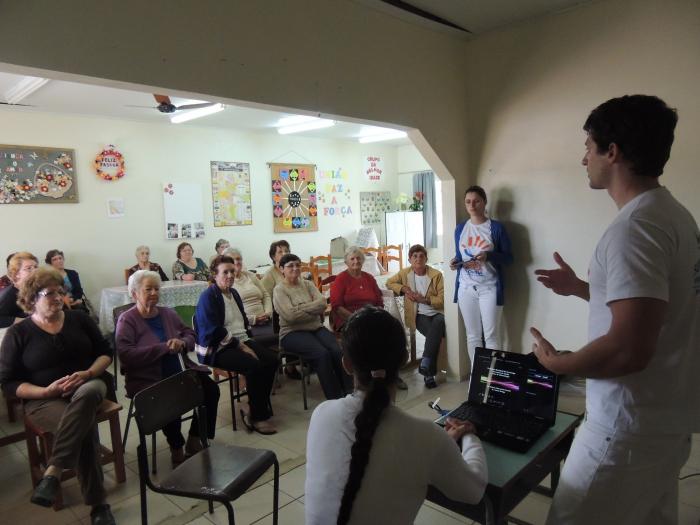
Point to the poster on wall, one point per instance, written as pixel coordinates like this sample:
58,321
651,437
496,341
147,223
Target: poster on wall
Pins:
334,195
374,168
294,203
183,212
373,206
37,175
230,191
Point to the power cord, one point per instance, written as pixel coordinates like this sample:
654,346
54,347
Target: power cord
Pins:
689,476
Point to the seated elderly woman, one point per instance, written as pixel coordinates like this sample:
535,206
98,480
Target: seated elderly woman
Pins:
300,307
152,343
188,267
71,279
257,303
20,266
143,256
55,361
220,249
224,341
353,289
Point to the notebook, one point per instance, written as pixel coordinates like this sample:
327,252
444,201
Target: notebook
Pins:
512,399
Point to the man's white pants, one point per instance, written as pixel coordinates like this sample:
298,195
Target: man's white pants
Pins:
609,478
481,314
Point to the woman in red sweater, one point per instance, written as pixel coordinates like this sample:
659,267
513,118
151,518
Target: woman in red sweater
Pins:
353,289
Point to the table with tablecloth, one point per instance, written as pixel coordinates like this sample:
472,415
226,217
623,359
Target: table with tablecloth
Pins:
172,293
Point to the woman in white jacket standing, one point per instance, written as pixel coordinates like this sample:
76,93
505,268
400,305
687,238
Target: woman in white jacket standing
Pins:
370,462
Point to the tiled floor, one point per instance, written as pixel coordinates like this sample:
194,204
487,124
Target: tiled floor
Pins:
255,506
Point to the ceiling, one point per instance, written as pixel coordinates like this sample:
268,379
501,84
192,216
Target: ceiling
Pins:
464,17
58,96
475,17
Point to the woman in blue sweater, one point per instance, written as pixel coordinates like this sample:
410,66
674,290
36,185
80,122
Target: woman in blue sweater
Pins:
482,249
224,341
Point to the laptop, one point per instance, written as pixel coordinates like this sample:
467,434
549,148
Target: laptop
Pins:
512,399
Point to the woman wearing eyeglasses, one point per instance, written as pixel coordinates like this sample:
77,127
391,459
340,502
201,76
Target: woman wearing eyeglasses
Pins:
300,307
56,361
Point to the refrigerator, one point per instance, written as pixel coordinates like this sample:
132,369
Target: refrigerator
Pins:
404,228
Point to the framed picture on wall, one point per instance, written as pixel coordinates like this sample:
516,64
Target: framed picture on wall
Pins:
37,175
294,204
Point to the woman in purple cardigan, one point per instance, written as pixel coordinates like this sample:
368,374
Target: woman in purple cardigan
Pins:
149,339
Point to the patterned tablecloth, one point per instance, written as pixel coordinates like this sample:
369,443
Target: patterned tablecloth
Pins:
172,293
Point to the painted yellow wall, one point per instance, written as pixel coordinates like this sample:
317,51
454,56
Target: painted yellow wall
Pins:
536,85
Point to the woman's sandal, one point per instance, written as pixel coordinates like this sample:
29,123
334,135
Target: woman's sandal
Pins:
253,428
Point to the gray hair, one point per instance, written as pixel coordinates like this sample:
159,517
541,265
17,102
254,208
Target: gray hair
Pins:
142,247
233,252
138,277
352,250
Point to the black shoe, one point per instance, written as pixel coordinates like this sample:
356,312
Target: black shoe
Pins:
102,515
430,382
401,384
46,491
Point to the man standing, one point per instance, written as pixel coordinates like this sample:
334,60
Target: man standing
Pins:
423,291
643,355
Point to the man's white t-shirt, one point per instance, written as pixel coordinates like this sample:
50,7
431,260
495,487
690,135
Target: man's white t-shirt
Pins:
474,239
422,284
651,250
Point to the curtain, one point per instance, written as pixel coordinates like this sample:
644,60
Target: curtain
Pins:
424,182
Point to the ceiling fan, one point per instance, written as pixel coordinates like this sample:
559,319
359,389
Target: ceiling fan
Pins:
165,105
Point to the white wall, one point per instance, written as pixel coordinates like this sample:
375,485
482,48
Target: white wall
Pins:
536,85
100,248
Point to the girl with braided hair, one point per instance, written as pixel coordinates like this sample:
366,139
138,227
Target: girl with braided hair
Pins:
367,460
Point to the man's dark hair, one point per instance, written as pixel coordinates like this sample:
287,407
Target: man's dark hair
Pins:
642,126
275,245
417,248
478,190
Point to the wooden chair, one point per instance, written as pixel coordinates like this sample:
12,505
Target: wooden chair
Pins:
40,447
322,271
309,270
325,289
12,402
392,252
127,274
216,473
290,358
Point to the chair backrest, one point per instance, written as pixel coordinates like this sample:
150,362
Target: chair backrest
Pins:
393,252
127,274
186,313
167,400
118,311
325,286
326,268
307,268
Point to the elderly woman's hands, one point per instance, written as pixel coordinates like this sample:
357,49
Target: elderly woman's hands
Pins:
175,345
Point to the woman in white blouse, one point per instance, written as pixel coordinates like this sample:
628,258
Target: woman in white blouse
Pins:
256,301
367,461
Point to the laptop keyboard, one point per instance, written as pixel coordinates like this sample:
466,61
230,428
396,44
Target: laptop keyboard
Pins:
489,422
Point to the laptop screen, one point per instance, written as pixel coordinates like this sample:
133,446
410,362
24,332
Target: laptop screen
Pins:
513,382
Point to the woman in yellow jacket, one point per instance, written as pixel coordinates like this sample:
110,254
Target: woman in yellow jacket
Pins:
423,291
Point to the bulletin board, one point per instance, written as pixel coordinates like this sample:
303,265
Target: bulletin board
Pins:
37,175
183,211
373,206
294,204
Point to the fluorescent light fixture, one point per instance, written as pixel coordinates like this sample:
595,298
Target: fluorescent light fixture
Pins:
196,113
317,123
379,137
24,88
294,119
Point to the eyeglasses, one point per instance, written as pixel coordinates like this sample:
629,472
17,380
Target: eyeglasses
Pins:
52,293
